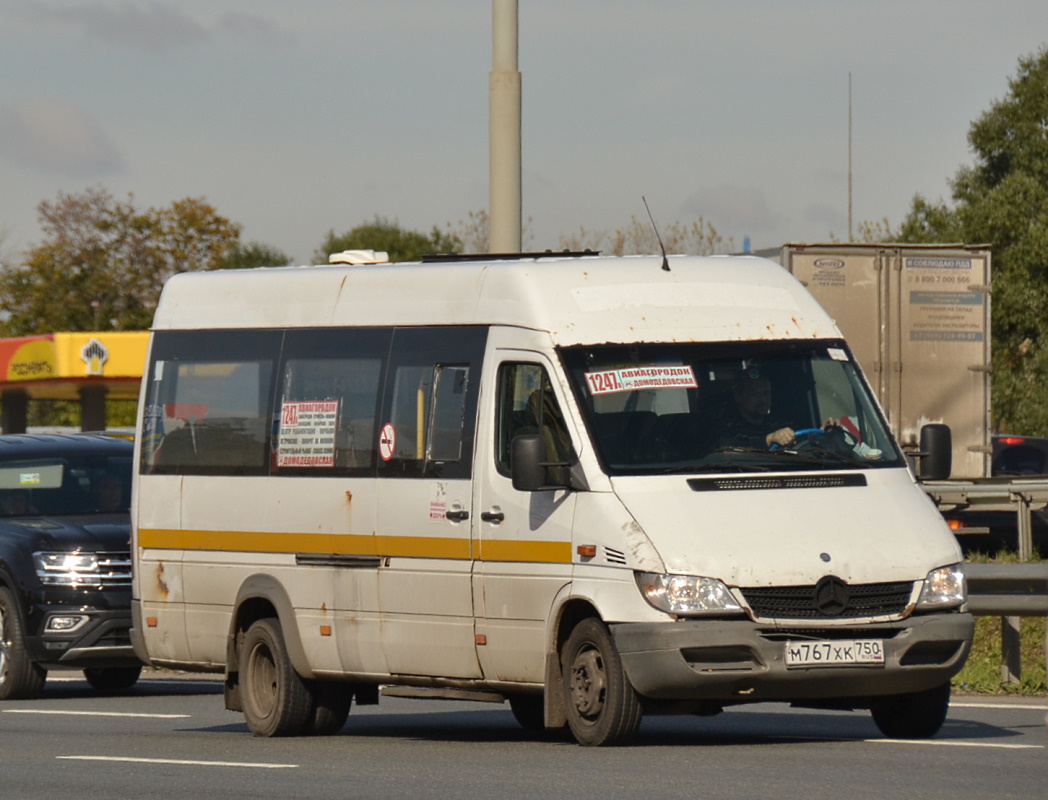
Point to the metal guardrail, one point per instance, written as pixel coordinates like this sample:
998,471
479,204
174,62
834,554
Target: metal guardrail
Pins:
1020,495
1001,590
1009,591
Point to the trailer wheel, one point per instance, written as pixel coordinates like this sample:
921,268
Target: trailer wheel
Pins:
917,715
113,679
21,678
529,711
276,700
602,708
331,703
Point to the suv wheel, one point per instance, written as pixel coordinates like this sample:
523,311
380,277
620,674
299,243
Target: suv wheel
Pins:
20,677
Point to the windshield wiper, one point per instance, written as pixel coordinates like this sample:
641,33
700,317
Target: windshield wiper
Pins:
717,466
811,454
841,457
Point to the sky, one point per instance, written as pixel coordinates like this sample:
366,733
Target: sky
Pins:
294,119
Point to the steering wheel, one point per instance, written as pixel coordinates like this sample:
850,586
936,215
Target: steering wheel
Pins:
798,434
807,432
836,438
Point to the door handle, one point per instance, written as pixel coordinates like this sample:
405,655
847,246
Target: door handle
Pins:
492,516
457,516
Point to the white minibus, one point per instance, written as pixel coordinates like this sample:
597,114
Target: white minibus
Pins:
594,488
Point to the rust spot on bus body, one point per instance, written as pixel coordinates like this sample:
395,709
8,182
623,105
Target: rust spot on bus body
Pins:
161,584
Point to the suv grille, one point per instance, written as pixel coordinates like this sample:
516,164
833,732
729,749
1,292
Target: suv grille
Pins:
801,602
84,570
114,569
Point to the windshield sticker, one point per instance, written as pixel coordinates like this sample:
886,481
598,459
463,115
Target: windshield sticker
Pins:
610,381
836,354
307,434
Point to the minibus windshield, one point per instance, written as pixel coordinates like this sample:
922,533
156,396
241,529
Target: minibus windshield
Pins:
754,406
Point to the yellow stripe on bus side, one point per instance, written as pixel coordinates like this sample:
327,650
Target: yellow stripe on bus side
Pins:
353,544
522,550
319,543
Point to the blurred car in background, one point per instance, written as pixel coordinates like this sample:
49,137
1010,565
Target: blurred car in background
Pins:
65,562
1014,457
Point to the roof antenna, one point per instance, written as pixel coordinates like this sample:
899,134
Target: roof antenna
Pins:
665,261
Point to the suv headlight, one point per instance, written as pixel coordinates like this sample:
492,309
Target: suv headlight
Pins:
686,595
68,568
943,588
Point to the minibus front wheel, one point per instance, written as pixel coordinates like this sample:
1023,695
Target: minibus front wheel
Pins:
601,705
276,700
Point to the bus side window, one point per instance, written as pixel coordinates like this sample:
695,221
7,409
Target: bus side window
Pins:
327,412
527,405
431,401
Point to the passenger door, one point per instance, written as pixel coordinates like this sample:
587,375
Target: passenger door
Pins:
425,441
522,540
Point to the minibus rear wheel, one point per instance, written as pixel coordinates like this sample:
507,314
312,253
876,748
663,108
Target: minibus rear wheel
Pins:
916,715
601,706
276,700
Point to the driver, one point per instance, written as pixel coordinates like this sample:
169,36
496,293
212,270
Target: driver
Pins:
751,424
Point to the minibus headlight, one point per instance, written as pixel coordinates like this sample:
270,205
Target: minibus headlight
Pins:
943,588
686,595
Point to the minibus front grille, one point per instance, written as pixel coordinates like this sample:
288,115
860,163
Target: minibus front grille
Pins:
802,602
747,483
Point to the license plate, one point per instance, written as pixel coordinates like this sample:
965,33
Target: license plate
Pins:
834,653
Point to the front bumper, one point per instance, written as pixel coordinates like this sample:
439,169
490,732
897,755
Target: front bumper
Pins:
104,640
743,661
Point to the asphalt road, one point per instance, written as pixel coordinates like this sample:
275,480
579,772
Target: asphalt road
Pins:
173,739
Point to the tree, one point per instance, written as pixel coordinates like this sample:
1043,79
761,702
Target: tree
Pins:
930,223
1002,200
254,254
103,262
381,234
696,238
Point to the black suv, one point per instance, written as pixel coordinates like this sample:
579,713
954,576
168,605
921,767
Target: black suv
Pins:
65,561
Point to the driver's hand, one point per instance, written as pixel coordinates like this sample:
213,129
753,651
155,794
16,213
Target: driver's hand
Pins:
831,422
781,437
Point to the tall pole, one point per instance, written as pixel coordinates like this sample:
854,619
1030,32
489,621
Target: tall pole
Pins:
504,194
851,238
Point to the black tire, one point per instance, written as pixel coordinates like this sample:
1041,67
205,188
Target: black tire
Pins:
331,704
530,711
601,706
113,679
21,678
917,715
275,698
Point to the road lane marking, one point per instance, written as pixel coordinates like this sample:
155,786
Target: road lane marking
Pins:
941,743
57,712
1008,706
185,762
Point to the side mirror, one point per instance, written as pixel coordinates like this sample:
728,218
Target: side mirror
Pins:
936,453
527,458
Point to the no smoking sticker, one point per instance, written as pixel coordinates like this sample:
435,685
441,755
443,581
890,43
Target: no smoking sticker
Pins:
387,441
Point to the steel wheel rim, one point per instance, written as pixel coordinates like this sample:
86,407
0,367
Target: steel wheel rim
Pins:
588,684
263,681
